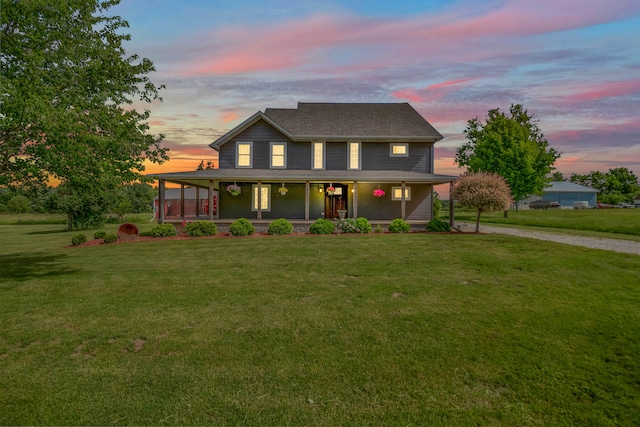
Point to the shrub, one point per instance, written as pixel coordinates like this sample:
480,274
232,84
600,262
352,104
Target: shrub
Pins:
99,234
110,238
163,230
201,228
280,226
241,227
437,205
351,225
363,225
378,229
483,192
399,225
437,225
322,226
78,239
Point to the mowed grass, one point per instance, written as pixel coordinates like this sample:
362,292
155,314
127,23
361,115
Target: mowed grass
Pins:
418,329
617,221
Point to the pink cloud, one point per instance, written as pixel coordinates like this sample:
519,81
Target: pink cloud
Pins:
391,41
275,48
604,90
431,93
230,116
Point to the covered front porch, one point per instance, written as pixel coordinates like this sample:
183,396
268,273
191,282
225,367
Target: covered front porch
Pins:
380,197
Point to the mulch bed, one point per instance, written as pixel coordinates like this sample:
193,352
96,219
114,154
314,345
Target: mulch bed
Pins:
137,239
223,235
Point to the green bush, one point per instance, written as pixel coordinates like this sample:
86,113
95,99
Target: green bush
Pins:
201,228
99,234
110,238
78,239
163,230
322,226
378,229
437,225
351,225
280,226
347,225
399,225
363,225
241,227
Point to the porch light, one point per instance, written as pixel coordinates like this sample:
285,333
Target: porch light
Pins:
319,188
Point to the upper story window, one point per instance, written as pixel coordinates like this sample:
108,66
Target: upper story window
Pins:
317,155
278,155
354,155
244,154
399,149
396,193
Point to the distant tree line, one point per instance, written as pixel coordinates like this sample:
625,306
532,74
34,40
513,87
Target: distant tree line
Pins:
614,186
130,198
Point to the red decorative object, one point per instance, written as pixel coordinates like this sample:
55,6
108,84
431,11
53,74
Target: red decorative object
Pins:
378,192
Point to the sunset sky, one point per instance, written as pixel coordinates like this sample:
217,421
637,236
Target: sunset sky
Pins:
574,64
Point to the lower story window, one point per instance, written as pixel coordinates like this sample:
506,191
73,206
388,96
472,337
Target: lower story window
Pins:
265,199
396,193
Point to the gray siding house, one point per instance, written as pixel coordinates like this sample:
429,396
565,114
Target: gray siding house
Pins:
321,160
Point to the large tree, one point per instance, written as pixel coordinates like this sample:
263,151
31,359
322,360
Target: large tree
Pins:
615,186
511,145
67,90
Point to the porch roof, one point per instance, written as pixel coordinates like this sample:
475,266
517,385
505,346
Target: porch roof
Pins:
202,177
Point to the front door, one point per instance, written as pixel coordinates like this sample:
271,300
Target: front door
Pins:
335,202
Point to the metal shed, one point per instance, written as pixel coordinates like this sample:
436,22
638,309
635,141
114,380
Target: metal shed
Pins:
566,193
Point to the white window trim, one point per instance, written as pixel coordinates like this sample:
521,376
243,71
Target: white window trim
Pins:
266,188
407,193
284,154
250,143
359,144
394,144
313,155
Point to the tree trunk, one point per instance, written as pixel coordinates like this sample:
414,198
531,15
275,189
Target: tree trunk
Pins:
478,221
506,213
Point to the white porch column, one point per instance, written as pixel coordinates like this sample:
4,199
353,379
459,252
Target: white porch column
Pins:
307,194
259,201
403,202
210,200
355,199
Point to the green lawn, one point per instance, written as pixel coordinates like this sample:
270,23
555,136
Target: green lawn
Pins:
418,329
624,222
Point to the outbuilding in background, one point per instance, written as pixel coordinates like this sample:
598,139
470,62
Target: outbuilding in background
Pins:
569,194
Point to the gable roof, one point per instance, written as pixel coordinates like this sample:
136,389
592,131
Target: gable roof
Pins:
342,121
568,187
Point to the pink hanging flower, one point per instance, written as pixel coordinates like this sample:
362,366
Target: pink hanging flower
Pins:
378,192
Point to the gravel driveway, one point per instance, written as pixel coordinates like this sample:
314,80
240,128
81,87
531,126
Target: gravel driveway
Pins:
623,246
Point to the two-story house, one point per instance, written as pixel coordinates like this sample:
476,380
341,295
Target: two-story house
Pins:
320,160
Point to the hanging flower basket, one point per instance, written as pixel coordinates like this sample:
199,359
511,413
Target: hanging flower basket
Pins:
283,190
378,192
331,190
234,189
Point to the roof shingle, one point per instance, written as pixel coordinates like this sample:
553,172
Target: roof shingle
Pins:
353,120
